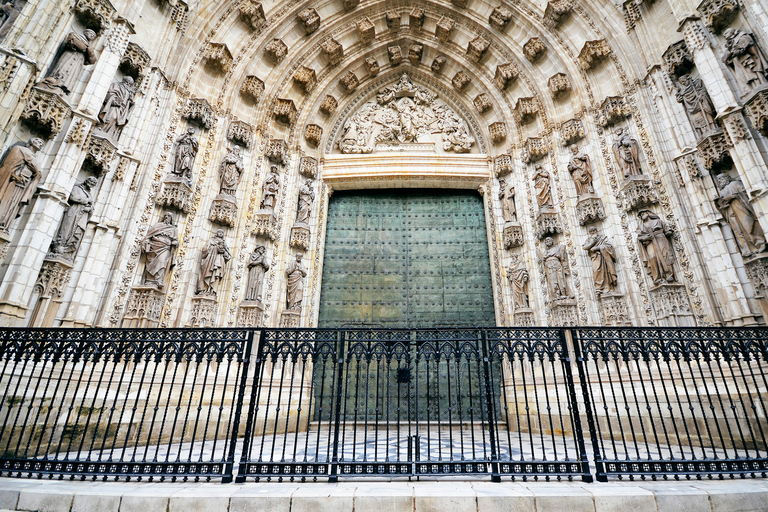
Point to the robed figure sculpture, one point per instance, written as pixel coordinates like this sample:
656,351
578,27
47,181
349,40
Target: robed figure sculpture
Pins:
19,176
159,247
655,248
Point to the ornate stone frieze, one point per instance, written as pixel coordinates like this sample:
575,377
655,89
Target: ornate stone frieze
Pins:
564,313
524,318
305,78
276,50
525,110
203,311
252,88
444,28
678,59
593,52
589,209
372,66
312,134
392,18
144,308
134,61
505,75
176,194
199,112
250,314
483,103
461,80
53,277
366,31
290,320
277,151
438,63
613,310
240,133
559,84
503,165
223,210
718,14
101,152
477,47
613,109
349,81
556,12
94,14
572,131
45,112
308,167
547,224
414,54
500,18
9,67
218,57
498,132
416,18
713,150
638,191
309,20
513,235
534,49
395,54
328,105
285,111
672,306
535,149
300,237
252,14
350,4
756,108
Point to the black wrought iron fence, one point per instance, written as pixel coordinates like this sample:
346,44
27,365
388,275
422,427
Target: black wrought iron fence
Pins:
329,404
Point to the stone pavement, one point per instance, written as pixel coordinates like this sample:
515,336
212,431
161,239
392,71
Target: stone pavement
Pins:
385,496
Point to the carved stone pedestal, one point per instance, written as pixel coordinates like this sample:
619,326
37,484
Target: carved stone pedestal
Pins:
547,223
638,192
589,209
613,309
45,112
176,194
523,317
223,210
203,311
290,319
51,282
250,313
145,305
671,305
757,271
300,236
564,312
756,107
265,224
513,235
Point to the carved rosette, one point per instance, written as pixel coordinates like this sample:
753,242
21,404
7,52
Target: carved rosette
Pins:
312,134
101,151
513,235
444,29
564,313
593,52
372,66
713,150
613,310
308,167
285,111
672,306
482,103
53,277
252,14
144,308
240,133
328,105
547,224
218,57
395,55
438,63
718,14
45,112
310,20
290,320
757,110
572,131
523,317
559,84
461,80
477,47
265,224
300,237
252,88
276,50
614,109
589,210
416,18
349,81
535,149
534,49
525,110
638,191
250,313
497,132
203,311
134,61
414,54
556,12
199,112
305,78
176,195
277,151
332,50
503,165
94,14
500,18
223,210
678,59
393,19
366,31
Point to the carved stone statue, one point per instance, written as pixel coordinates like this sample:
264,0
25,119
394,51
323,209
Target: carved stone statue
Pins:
543,187
306,196
76,53
556,268
518,278
215,255
627,154
656,252
581,171
744,59
75,220
19,176
507,198
698,105
159,247
271,188
603,256
738,212
8,14
257,267
296,274
186,151
230,171
117,107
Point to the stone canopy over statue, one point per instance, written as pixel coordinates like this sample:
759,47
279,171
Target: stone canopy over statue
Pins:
404,114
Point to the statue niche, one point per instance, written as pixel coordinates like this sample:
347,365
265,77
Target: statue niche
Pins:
404,114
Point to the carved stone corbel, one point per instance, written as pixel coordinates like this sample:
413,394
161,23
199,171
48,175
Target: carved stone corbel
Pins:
349,81
416,18
414,54
393,18
218,57
461,80
285,111
593,52
438,63
240,133
505,75
482,103
559,84
252,88
372,65
395,55
45,112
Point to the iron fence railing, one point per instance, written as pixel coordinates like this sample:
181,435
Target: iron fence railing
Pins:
303,404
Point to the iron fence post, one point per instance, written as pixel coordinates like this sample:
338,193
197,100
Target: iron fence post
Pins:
249,419
341,339
492,425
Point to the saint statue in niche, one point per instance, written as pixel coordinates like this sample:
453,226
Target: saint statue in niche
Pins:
603,256
744,59
698,105
507,198
230,171
543,188
159,247
76,53
117,108
581,171
19,176
627,154
75,220
271,188
656,252
257,267
738,212
518,278
306,196
556,268
186,151
215,255
296,274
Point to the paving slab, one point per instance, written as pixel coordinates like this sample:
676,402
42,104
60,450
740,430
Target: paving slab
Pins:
262,497
503,497
444,497
384,497
323,498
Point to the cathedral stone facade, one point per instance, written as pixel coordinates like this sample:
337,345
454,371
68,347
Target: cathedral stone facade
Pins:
171,162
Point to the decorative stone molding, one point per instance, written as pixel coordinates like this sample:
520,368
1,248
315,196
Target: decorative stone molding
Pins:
309,20
252,14
328,105
718,14
523,317
713,150
503,165
285,111
101,151
638,191
506,74
144,308
460,3
45,112
500,18
395,54
305,78
240,133
366,31
556,12
372,65
290,320
572,131
180,15
79,129
525,110
564,313
264,224
688,163
756,107
414,54
203,311
199,112
350,4
672,306
535,148
559,84
438,63
444,29
613,310
589,209
513,235
300,237
250,313
94,14
134,60
332,50
477,47
483,103
498,132
735,125
757,271
176,194
593,52
252,88
312,134
534,49
349,81
393,20
461,80
416,18
308,167
218,57
547,224
276,50
678,59
53,277
223,210
612,110
277,151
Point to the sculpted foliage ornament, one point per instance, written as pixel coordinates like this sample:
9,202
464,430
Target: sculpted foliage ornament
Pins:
535,149
366,31
438,63
372,65
497,132
572,131
461,80
349,81
525,110
312,134
503,165
395,54
305,78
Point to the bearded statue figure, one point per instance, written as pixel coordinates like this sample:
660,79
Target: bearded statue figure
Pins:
698,105
738,212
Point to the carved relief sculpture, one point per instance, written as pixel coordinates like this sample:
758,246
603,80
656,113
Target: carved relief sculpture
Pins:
19,176
75,221
159,248
738,212
543,188
296,274
507,199
230,171
744,59
271,188
306,196
603,255
555,262
581,172
117,108
698,105
627,154
186,151
215,256
257,267
77,53
518,278
653,241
